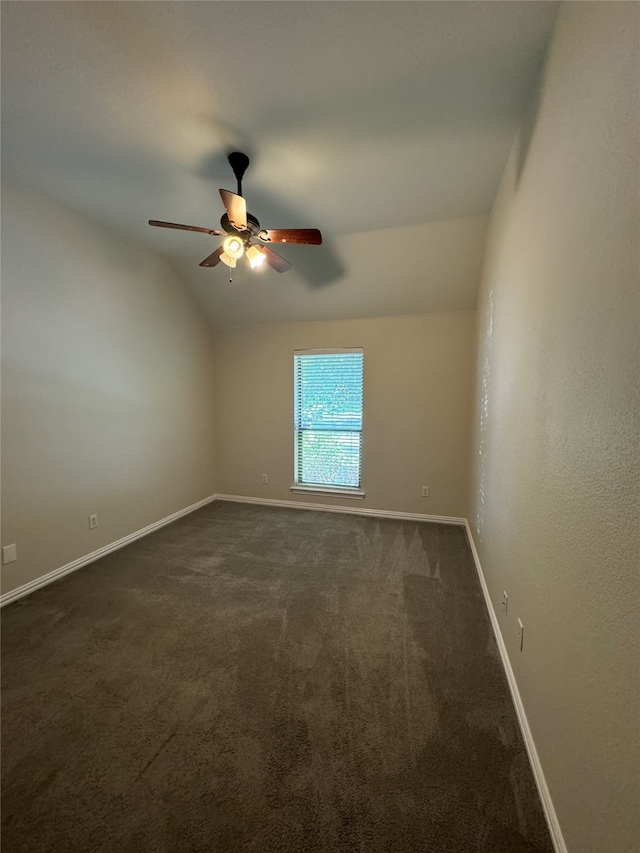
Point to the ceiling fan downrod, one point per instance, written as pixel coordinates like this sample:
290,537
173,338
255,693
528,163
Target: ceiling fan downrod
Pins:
238,162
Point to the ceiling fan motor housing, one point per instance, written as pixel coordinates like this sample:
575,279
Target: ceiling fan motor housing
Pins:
252,229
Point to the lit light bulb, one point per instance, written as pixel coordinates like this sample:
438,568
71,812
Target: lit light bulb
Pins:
230,262
256,257
233,247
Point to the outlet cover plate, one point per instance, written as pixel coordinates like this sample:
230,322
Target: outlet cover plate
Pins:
9,554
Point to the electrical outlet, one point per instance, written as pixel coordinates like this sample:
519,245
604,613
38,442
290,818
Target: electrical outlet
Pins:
265,479
9,554
521,633
505,602
93,521
425,491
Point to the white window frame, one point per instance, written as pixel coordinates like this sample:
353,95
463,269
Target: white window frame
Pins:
343,491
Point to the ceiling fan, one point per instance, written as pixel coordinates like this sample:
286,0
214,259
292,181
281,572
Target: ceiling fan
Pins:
244,235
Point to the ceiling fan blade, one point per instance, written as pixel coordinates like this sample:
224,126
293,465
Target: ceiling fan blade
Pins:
236,209
213,259
183,227
308,236
277,262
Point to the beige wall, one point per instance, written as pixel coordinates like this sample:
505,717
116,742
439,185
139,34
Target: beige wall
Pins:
107,378
417,395
556,466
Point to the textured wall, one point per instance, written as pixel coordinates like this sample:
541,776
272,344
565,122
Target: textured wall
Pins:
107,378
556,463
417,409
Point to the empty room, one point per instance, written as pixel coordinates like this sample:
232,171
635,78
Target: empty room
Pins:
320,427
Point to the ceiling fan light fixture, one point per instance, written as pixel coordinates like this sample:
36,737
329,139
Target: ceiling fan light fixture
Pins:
228,260
240,228
233,247
255,256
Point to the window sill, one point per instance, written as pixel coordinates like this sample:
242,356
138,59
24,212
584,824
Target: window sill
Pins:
337,491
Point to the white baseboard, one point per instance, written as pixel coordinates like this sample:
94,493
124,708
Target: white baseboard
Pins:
557,838
26,588
377,513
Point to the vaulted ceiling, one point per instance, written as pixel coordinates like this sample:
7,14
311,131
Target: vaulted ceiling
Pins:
385,124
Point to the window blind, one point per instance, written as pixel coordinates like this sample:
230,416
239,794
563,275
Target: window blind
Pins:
328,417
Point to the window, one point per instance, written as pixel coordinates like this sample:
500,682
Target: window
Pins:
328,419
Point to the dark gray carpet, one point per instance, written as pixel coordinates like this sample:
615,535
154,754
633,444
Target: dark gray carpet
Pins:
260,679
